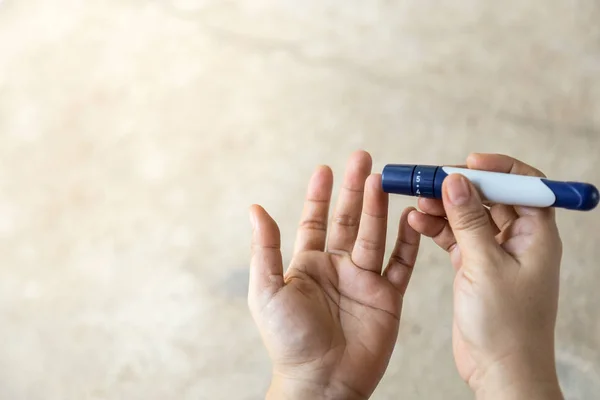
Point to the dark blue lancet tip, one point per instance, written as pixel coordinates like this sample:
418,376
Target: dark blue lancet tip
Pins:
574,195
591,197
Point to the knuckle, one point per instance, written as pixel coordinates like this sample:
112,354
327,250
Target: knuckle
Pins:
314,225
369,244
449,247
537,172
257,247
380,217
346,220
471,220
400,259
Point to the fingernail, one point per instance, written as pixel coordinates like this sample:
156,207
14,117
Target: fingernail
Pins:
458,190
252,220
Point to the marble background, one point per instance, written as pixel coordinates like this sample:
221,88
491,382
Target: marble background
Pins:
134,134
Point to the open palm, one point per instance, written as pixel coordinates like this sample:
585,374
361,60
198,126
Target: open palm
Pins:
331,322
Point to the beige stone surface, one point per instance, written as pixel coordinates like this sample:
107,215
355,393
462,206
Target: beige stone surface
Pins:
134,134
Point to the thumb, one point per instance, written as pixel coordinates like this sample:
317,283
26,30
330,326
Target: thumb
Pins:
266,265
469,221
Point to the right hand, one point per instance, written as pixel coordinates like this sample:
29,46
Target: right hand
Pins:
506,286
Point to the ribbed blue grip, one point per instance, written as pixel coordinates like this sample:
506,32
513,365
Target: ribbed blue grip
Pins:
423,180
574,195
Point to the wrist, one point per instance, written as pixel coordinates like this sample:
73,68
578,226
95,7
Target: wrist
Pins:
283,388
517,378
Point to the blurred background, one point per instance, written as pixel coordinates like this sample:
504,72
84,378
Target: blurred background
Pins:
134,134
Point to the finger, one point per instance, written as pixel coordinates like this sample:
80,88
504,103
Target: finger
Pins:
436,228
503,215
346,218
439,230
469,221
501,163
266,265
312,231
404,255
435,208
508,165
488,211
369,248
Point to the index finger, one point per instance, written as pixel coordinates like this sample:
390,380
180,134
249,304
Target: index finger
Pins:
508,165
501,163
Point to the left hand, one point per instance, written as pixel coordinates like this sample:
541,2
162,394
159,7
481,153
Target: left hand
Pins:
331,321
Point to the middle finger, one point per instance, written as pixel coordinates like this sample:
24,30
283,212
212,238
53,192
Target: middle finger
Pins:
346,217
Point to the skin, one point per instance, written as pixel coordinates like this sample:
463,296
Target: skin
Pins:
330,322
507,262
